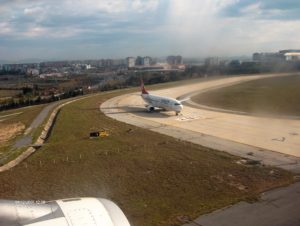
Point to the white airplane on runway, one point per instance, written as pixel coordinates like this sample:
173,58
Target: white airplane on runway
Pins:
165,103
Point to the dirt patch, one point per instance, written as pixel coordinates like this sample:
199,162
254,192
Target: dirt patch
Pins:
9,131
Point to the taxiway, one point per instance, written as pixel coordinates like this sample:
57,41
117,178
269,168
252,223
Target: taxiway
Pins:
274,141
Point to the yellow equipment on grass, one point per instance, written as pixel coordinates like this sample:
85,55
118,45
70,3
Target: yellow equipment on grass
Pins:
102,133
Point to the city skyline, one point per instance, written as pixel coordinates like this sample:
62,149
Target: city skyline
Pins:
116,29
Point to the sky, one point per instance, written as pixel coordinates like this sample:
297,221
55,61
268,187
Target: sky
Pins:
92,29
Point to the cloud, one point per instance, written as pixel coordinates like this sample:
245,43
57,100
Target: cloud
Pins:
206,28
148,27
34,18
33,11
253,9
265,9
4,28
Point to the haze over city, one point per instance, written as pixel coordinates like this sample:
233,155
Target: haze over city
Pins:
102,28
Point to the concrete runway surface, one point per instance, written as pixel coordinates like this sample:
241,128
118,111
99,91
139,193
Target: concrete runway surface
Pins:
272,141
279,207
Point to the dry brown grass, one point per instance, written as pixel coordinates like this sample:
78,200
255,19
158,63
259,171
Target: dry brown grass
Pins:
11,118
9,131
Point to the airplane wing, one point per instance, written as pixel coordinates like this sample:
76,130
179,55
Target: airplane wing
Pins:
185,99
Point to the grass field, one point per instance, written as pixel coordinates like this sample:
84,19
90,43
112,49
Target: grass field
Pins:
270,96
154,178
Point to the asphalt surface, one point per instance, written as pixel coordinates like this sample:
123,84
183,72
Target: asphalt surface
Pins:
279,207
27,138
272,141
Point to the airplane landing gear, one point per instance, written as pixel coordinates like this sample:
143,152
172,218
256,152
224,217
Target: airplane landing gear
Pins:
150,108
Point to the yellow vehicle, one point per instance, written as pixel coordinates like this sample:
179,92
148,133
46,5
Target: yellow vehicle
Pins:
102,133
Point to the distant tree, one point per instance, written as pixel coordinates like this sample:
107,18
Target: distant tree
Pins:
27,90
38,100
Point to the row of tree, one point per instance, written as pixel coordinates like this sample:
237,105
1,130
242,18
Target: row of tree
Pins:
24,101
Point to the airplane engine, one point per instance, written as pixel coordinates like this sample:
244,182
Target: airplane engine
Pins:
150,108
66,212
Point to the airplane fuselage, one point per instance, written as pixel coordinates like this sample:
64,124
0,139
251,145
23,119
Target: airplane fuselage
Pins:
166,103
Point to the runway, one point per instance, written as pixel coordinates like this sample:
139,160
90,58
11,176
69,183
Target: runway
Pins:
273,141
277,207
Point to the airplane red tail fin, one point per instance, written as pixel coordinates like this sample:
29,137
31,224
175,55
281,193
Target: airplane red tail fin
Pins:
144,91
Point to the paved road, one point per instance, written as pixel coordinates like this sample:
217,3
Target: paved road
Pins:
280,207
272,141
27,138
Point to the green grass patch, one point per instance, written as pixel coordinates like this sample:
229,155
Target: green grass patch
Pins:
270,96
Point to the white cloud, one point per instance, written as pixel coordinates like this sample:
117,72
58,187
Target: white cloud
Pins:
257,11
187,27
224,3
108,6
252,10
33,11
143,6
5,28
34,31
193,27
40,14
197,29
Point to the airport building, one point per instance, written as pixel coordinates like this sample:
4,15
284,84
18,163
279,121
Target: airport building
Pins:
268,57
291,54
32,72
282,55
146,61
130,62
174,60
139,61
212,61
